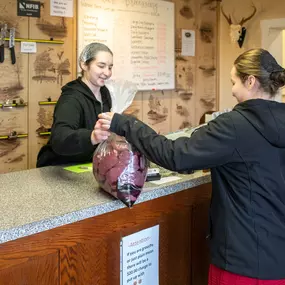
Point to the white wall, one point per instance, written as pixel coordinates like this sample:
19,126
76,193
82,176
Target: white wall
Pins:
273,33
273,9
276,47
283,51
283,60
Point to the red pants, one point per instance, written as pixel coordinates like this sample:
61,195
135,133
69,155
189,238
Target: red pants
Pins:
218,276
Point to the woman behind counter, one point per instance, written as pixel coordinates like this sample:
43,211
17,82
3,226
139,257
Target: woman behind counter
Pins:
245,149
73,135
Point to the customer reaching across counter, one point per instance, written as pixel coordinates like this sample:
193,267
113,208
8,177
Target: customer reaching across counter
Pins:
245,149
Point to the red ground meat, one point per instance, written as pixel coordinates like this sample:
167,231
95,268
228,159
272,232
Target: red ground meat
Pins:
119,171
139,179
113,174
106,163
124,157
135,162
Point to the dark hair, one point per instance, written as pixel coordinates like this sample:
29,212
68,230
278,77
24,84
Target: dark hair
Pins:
89,53
261,64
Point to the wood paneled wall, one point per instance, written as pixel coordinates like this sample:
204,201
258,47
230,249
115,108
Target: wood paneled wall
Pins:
36,77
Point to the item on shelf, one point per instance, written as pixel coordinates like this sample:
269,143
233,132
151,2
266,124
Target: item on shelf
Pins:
12,45
13,103
12,135
2,42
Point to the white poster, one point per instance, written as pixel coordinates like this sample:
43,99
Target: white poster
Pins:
188,43
140,258
140,34
61,8
28,47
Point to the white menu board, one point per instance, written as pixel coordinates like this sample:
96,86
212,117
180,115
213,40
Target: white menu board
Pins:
140,34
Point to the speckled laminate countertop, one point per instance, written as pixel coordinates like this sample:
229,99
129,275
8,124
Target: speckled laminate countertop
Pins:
36,200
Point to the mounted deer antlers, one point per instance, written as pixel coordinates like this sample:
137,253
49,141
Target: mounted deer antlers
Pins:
228,18
238,32
243,20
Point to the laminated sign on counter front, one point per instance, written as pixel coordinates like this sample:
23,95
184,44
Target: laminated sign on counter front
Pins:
139,258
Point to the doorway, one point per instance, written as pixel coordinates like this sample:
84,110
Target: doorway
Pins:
273,39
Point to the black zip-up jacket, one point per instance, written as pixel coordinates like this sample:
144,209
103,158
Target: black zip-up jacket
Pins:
75,115
245,150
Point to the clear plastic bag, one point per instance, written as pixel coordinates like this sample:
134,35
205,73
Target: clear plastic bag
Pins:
122,94
118,168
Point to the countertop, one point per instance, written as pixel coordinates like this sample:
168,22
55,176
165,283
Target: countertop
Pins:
40,199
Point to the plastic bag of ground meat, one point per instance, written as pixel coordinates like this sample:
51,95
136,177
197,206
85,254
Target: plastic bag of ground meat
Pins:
118,168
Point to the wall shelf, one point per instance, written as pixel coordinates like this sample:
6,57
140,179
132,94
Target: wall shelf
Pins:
47,102
13,105
41,134
36,41
13,136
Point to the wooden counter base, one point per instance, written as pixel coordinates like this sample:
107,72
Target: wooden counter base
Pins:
88,252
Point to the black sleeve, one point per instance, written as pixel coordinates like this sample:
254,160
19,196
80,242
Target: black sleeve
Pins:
67,135
208,147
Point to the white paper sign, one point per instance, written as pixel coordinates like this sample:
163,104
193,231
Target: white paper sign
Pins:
61,8
28,47
188,43
139,258
166,180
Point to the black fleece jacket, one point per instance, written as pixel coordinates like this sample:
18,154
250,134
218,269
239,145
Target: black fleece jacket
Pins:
75,115
245,150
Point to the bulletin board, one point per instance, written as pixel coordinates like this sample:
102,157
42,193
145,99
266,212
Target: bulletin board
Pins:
140,34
